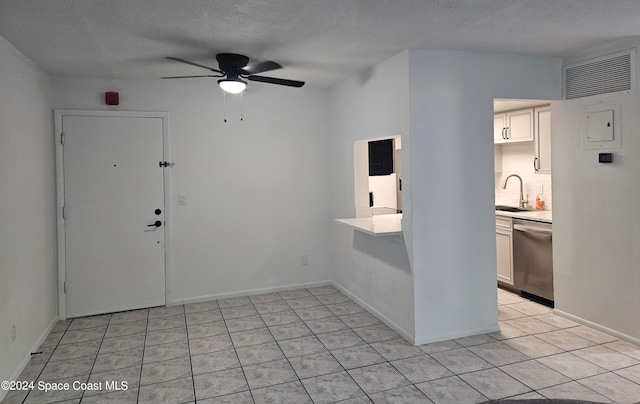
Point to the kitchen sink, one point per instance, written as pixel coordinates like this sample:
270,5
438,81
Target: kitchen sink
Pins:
509,208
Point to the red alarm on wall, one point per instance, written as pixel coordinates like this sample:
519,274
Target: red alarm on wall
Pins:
112,98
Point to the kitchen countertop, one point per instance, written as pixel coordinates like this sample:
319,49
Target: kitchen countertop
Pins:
391,225
376,225
536,215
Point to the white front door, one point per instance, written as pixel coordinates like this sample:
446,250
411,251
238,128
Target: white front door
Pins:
114,213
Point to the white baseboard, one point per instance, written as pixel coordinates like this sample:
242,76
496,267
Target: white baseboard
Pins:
400,330
596,326
27,356
416,340
427,339
247,292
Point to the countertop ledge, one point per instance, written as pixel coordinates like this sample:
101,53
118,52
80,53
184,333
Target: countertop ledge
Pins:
535,215
376,225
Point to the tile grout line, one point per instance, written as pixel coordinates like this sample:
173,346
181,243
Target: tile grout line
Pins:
235,351
279,347
359,367
331,353
97,353
457,375
58,345
193,377
144,346
570,351
313,334
48,359
386,361
349,328
165,360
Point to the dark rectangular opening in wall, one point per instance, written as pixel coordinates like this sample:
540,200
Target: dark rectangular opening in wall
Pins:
381,157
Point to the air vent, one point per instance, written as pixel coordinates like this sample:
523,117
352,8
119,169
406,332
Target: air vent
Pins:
608,74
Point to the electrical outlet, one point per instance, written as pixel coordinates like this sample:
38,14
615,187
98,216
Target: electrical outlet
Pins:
304,260
13,333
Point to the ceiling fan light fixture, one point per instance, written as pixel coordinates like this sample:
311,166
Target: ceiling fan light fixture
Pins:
232,86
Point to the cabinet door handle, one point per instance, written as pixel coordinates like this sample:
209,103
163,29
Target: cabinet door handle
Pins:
504,133
535,166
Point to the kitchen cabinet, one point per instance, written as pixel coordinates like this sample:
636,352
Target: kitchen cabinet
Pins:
513,126
542,159
381,157
499,125
504,250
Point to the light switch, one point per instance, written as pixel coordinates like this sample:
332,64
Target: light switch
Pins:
182,199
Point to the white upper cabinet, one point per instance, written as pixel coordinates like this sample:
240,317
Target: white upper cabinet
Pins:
499,127
520,125
542,159
513,126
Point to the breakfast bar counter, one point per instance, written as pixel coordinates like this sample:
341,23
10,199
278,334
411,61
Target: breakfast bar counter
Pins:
376,225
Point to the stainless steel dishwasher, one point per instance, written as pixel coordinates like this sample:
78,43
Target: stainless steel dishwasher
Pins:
533,258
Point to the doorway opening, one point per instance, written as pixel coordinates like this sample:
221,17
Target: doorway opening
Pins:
523,180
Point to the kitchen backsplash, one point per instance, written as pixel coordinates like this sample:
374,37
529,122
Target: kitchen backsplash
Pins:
517,158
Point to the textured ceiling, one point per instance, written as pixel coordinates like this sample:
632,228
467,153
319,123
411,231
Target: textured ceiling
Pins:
319,41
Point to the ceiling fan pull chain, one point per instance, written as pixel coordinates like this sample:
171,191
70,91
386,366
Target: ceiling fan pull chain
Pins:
224,97
241,106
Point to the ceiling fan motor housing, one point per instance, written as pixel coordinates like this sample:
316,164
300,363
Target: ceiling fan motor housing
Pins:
231,61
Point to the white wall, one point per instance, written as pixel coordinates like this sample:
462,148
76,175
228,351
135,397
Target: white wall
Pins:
452,181
258,190
28,291
596,222
448,184
375,270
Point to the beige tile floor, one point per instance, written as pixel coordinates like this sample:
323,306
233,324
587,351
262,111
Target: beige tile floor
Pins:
316,345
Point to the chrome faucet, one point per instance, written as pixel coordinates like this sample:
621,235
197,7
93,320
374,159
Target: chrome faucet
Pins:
523,202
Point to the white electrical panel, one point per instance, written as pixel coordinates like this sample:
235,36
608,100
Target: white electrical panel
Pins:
601,126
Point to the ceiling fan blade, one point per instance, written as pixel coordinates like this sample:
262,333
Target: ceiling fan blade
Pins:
260,67
188,77
274,80
195,64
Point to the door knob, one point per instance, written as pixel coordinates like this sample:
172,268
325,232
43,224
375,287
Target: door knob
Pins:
157,211
156,224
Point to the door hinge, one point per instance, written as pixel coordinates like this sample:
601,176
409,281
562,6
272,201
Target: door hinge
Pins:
64,286
62,138
64,212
